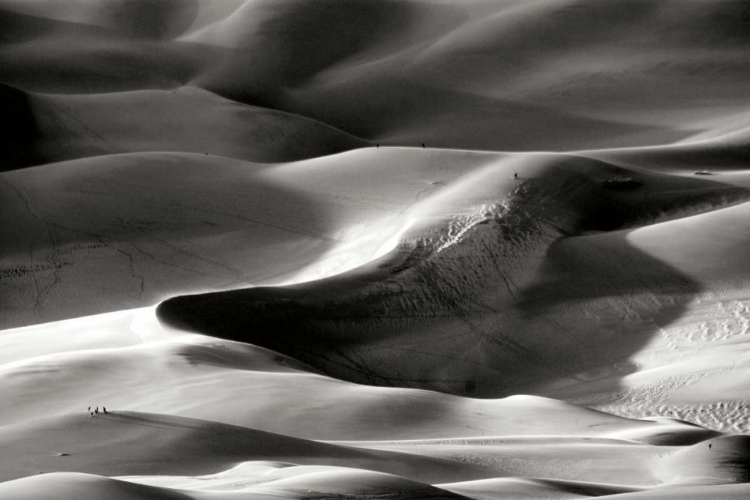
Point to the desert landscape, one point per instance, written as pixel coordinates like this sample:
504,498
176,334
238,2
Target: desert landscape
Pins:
374,249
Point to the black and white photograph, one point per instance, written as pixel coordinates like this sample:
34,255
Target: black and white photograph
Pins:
374,249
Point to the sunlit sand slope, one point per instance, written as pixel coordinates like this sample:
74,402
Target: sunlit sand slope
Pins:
332,483
200,377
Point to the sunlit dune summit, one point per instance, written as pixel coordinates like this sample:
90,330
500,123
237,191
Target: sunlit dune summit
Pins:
360,249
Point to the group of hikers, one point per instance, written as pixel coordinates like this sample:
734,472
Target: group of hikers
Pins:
96,410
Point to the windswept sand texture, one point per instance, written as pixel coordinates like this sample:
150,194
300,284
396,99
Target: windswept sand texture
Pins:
374,249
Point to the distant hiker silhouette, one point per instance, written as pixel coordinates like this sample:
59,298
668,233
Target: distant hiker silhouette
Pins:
515,176
423,145
89,409
709,446
97,410
104,409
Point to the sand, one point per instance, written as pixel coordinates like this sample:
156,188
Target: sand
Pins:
370,249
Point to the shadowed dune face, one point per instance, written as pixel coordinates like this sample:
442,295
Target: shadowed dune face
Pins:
425,113
493,307
632,71
163,19
18,127
285,43
186,120
437,337
88,58
519,76
142,19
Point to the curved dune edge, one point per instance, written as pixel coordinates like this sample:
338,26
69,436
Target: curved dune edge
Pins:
474,298
518,436
149,444
194,376
65,486
50,128
706,476
160,238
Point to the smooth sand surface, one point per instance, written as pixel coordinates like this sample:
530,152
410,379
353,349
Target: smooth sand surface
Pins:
64,127
374,249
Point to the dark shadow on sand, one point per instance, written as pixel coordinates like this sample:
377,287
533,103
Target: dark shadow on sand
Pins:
18,129
457,321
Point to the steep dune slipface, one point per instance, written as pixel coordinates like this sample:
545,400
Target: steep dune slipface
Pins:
225,224
481,301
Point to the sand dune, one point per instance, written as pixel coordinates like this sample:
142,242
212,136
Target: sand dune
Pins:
69,485
502,75
133,443
157,244
200,377
492,270
491,489
258,477
61,127
86,58
374,249
511,77
140,19
324,485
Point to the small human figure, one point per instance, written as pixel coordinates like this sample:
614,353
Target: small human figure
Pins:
96,410
89,410
377,145
423,145
709,446
515,175
104,408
